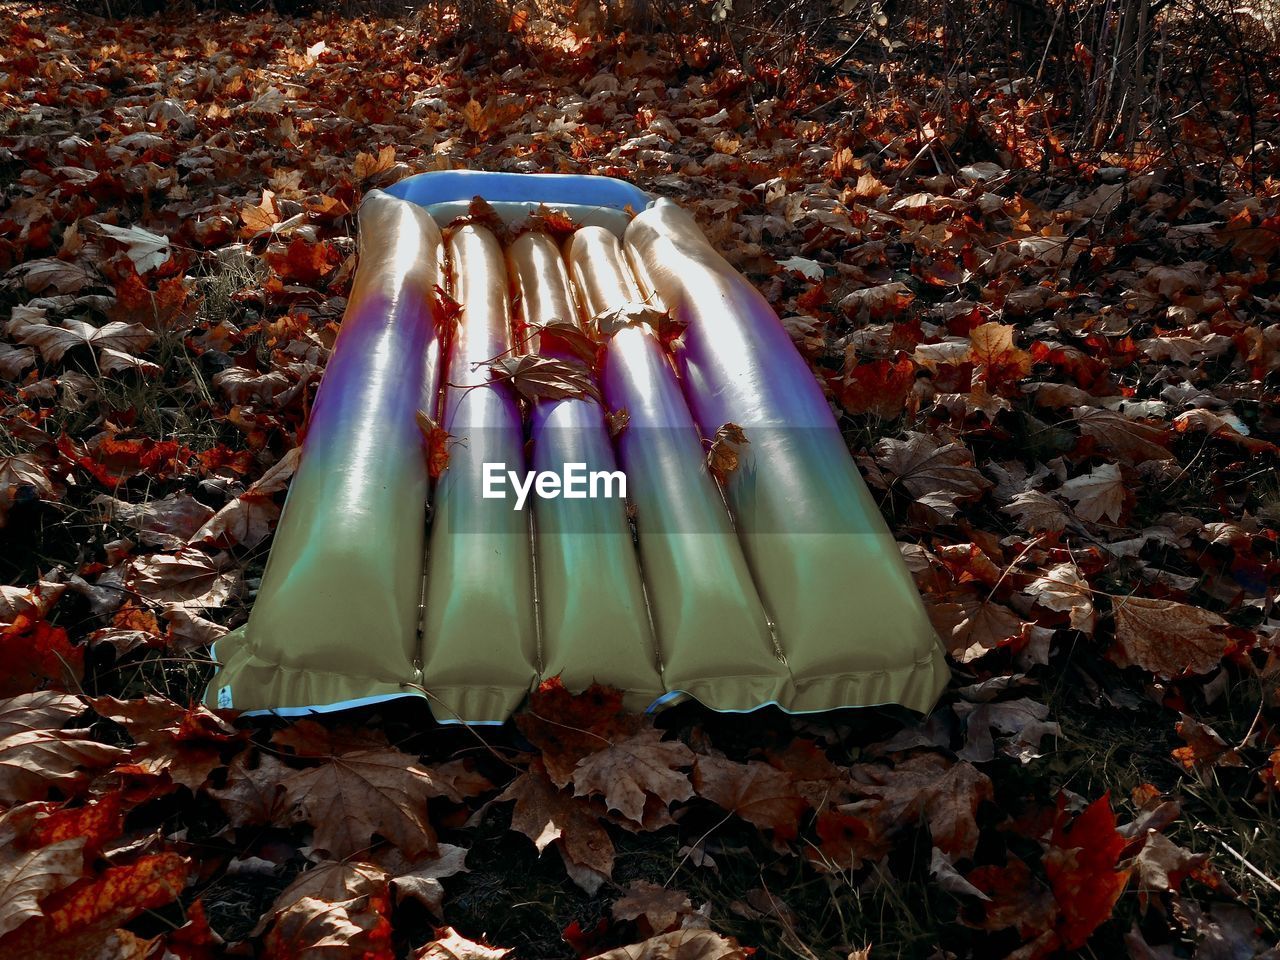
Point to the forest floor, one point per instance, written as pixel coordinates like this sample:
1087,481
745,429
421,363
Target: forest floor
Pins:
1056,367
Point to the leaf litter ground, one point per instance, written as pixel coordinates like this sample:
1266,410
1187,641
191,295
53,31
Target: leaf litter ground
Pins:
1056,370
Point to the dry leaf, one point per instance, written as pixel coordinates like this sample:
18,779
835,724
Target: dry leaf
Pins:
629,771
661,908
361,791
679,945
451,945
723,455
535,377
546,814
1098,495
1169,639
756,792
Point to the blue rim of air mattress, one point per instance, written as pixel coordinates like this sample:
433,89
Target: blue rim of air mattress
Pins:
451,186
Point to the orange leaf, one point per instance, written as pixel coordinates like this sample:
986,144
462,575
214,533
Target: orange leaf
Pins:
998,360
473,117
367,165
260,218
97,906
435,441
97,823
37,655
303,262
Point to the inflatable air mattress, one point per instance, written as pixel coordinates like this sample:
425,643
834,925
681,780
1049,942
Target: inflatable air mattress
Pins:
639,482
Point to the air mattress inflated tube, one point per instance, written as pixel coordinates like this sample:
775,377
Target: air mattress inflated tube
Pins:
778,583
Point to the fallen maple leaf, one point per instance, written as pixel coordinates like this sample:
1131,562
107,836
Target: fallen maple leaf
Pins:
304,262
187,743
1098,494
877,303
41,710
1168,638
254,793
435,442
1161,865
679,945
819,781
473,117
1205,749
249,518
451,945
566,726
53,342
1063,589
14,361
420,879
972,627
846,842
1037,512
27,877
37,655
186,631
879,387
80,919
21,476
330,880
166,523
926,787
546,815
1025,719
628,772
147,250
1131,440
189,577
756,792
63,276
1014,898
635,313
312,927
356,793
536,377
996,359
723,456
243,386
1081,866
926,468
368,165
97,823
661,908
564,336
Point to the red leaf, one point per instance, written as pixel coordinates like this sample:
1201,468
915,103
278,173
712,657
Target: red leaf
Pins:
302,262
567,727
880,387
37,655
1081,866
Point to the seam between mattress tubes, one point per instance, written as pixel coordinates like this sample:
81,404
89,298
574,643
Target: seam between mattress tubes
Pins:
584,318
